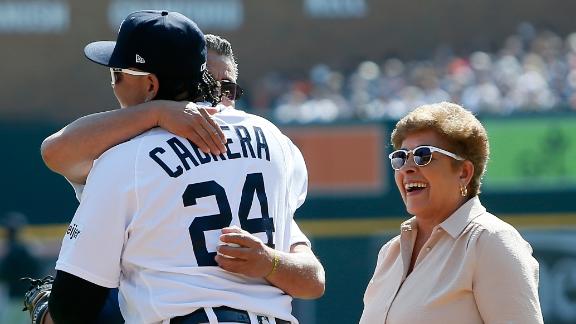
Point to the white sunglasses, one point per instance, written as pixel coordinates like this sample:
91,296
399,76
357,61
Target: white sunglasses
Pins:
115,74
422,155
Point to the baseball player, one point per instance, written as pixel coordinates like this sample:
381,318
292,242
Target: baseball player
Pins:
101,130
187,236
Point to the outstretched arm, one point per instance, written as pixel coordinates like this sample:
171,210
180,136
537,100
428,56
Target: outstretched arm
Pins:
298,273
72,150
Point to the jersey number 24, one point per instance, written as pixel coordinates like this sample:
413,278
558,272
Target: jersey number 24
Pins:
254,184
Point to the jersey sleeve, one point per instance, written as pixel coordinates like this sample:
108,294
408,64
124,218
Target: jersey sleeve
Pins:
297,191
297,236
78,189
298,176
92,246
506,279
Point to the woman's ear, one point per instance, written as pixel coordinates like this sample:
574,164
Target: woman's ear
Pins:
466,172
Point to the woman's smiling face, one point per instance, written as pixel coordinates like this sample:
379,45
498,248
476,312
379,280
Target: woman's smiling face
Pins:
431,191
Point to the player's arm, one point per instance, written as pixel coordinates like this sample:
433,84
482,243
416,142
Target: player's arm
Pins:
75,300
72,150
298,273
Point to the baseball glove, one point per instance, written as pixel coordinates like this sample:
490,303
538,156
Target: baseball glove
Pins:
36,298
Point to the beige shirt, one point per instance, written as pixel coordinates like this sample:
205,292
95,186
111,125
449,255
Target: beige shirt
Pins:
474,268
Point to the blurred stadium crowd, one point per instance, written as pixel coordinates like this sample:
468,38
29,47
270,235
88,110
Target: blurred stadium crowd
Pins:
532,71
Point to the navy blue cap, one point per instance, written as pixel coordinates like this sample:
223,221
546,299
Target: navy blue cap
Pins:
160,42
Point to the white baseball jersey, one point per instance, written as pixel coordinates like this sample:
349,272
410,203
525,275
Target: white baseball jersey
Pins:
152,211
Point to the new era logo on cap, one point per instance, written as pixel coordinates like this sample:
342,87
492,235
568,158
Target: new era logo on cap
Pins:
140,59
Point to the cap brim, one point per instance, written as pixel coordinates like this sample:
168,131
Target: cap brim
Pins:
100,52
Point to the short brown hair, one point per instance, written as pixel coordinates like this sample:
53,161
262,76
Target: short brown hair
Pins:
464,132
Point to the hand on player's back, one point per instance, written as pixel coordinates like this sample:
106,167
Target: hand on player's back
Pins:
194,122
252,258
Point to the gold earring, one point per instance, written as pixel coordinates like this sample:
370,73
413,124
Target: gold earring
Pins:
463,191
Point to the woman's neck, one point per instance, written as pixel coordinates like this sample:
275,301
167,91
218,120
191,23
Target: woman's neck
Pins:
427,222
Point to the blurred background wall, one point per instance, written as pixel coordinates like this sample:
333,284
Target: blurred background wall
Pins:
336,75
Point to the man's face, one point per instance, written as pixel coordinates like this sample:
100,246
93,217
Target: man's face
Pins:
221,68
131,90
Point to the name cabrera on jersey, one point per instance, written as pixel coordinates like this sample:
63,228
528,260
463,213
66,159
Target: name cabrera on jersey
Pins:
153,208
